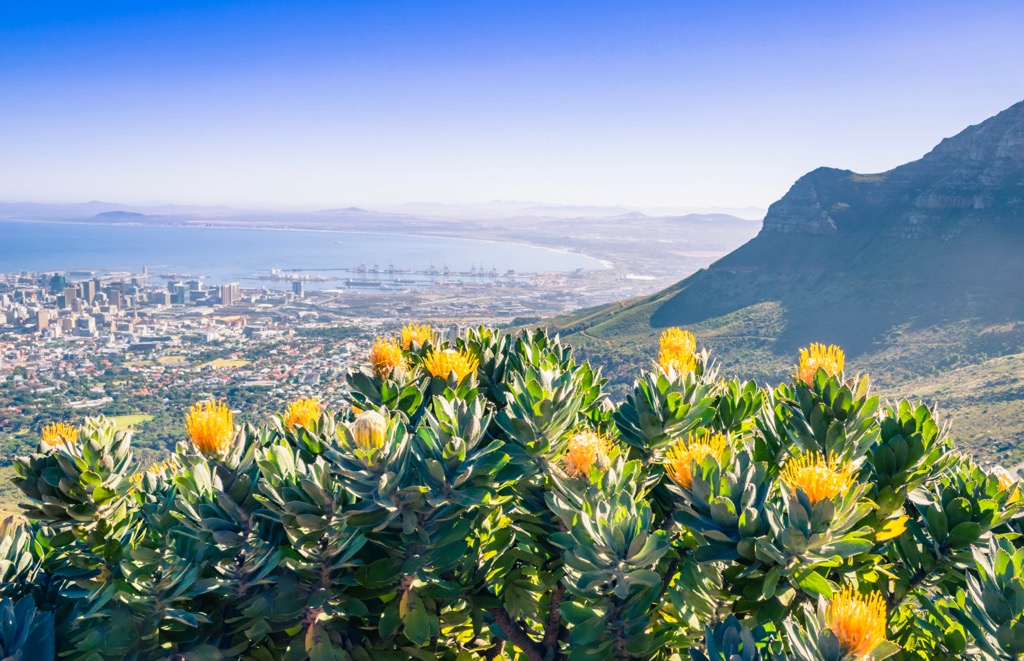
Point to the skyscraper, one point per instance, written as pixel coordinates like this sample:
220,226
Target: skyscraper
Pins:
70,294
88,290
229,294
42,319
182,294
58,282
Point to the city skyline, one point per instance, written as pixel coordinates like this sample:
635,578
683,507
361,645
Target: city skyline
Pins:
319,105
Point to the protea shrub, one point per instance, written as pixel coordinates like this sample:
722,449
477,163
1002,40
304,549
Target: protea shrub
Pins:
483,498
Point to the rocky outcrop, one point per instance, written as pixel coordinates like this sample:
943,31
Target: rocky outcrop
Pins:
803,210
974,178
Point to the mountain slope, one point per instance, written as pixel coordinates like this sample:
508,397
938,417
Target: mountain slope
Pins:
912,271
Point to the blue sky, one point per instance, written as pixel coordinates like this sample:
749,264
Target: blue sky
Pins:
642,104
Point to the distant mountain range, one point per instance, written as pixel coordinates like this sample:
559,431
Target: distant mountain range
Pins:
912,271
513,208
428,211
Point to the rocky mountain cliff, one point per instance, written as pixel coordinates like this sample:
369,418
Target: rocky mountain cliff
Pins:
974,177
859,259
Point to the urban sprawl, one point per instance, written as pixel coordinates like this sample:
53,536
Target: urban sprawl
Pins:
140,347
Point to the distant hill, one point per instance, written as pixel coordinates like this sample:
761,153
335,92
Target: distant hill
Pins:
913,271
86,210
120,216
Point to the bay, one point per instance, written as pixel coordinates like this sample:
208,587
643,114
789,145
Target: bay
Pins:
248,256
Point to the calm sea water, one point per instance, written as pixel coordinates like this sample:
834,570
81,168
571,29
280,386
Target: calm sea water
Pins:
243,255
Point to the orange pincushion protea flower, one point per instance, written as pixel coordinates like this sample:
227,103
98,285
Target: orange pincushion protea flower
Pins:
858,621
586,450
386,358
418,333
211,427
693,448
443,363
830,358
304,412
678,351
59,433
817,478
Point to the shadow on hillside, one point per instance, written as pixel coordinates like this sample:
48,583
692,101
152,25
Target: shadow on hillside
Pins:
895,285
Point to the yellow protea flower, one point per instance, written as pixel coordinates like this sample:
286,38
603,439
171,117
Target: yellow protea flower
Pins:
210,426
443,363
418,333
678,351
369,430
168,465
858,621
693,448
586,450
892,529
159,468
59,433
386,358
304,412
830,358
356,410
817,478
1007,480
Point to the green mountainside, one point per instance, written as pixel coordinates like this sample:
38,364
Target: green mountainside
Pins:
918,273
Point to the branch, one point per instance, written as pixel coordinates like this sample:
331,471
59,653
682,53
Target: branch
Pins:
915,582
516,635
619,644
494,651
673,566
554,623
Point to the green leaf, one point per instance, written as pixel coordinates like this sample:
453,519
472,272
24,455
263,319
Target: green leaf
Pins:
996,606
813,583
319,645
389,620
964,534
771,580
846,547
575,613
102,495
958,511
587,631
415,619
937,524
62,539
377,573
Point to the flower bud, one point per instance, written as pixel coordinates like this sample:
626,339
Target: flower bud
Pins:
369,429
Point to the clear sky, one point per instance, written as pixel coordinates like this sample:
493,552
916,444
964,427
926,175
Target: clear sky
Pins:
644,104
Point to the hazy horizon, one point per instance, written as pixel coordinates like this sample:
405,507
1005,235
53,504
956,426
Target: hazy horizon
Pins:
668,105
448,210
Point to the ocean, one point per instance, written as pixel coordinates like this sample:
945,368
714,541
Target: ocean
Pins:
248,256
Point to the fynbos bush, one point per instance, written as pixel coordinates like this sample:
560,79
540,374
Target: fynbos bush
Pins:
483,498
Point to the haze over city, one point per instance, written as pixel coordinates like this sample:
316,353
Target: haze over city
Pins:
313,105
